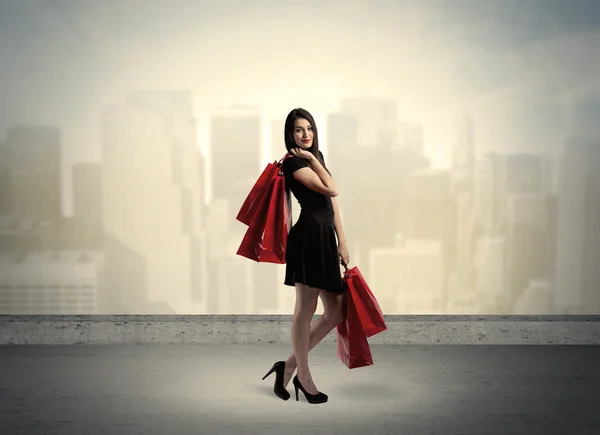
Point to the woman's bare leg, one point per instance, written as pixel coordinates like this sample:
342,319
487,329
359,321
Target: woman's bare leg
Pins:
333,314
306,305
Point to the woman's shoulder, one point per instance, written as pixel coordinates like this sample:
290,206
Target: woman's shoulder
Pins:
293,163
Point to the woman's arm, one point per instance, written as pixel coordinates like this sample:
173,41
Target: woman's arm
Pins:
337,220
315,176
342,245
324,176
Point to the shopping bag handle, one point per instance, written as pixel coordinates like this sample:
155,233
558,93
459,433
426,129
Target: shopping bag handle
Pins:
345,267
281,161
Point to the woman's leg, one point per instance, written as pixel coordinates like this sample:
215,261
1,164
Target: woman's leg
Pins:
306,305
333,314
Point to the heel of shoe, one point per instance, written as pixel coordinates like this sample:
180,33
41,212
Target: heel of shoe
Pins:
268,373
296,388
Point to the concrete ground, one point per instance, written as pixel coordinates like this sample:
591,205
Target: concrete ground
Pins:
217,389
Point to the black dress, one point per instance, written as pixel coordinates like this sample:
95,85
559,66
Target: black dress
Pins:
312,255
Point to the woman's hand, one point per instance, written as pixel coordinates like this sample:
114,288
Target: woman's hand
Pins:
344,254
303,154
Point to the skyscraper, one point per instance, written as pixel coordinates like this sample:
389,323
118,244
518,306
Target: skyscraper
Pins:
30,178
152,195
235,154
373,116
490,275
87,193
4,180
433,212
578,232
342,135
411,136
499,175
463,152
528,243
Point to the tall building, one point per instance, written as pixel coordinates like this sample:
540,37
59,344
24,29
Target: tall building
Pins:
484,188
87,193
461,277
433,212
22,235
29,235
72,233
126,288
499,175
59,282
342,135
529,241
373,115
4,180
578,233
529,174
219,223
235,155
409,278
30,175
490,275
152,197
365,200
463,152
411,136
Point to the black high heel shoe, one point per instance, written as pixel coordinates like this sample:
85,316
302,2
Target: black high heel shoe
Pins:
311,398
278,368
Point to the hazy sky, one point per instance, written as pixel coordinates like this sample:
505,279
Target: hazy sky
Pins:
521,68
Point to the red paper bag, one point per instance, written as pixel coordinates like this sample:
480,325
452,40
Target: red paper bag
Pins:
252,202
367,307
266,237
279,219
352,345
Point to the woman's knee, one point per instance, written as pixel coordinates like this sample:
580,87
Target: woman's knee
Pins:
307,310
334,311
338,315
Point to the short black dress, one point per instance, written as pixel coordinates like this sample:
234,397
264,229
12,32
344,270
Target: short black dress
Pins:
312,255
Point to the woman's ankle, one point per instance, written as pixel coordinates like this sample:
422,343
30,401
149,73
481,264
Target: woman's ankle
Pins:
305,379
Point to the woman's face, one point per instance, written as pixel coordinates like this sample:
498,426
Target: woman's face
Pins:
303,133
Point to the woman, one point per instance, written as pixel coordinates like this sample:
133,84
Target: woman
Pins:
312,263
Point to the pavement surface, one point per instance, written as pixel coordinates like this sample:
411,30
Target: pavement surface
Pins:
217,389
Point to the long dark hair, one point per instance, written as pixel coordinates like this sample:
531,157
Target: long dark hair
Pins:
288,132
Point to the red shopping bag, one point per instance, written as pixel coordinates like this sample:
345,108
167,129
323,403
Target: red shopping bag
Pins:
252,202
367,307
279,219
265,240
352,344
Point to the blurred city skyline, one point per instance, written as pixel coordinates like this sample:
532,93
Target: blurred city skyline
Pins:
488,235
524,71
136,130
